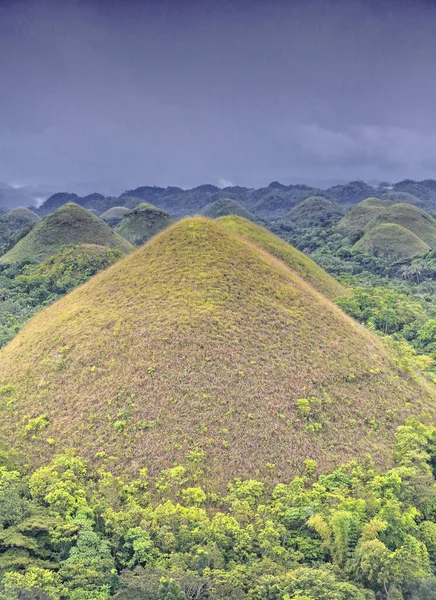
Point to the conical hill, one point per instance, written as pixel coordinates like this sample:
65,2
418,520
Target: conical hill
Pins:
201,343
224,207
69,224
142,222
302,264
392,241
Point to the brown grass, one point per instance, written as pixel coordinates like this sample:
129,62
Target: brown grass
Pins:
199,340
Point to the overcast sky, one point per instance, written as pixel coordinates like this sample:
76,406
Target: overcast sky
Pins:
189,92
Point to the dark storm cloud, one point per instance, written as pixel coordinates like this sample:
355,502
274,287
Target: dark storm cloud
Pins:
181,93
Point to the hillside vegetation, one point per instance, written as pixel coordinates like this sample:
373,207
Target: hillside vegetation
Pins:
69,224
225,207
142,222
201,342
25,290
293,258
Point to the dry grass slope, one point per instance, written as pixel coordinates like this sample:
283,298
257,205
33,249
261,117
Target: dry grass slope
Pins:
201,341
69,224
392,242
299,262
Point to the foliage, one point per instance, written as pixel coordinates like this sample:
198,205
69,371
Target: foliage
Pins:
26,288
356,533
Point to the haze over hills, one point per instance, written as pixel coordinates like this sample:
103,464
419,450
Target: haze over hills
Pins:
70,224
200,340
273,201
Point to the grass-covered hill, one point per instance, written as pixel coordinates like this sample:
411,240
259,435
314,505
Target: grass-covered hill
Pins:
393,242
315,211
113,216
69,224
416,220
201,343
16,222
357,219
225,207
142,222
293,258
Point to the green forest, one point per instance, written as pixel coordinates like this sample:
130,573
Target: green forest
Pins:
70,531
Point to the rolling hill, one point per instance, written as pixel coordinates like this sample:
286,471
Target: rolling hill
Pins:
15,222
69,224
293,258
142,222
416,220
315,211
393,197
225,207
114,215
391,241
201,344
357,219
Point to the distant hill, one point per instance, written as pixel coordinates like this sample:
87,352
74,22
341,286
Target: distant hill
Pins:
15,223
225,207
315,211
293,258
114,215
357,218
392,241
202,344
424,190
351,193
272,202
277,201
416,220
142,222
393,197
70,224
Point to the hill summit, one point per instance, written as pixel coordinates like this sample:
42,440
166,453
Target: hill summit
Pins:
69,224
226,206
201,344
16,222
142,222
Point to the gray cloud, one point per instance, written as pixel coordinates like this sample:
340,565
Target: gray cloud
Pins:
183,93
